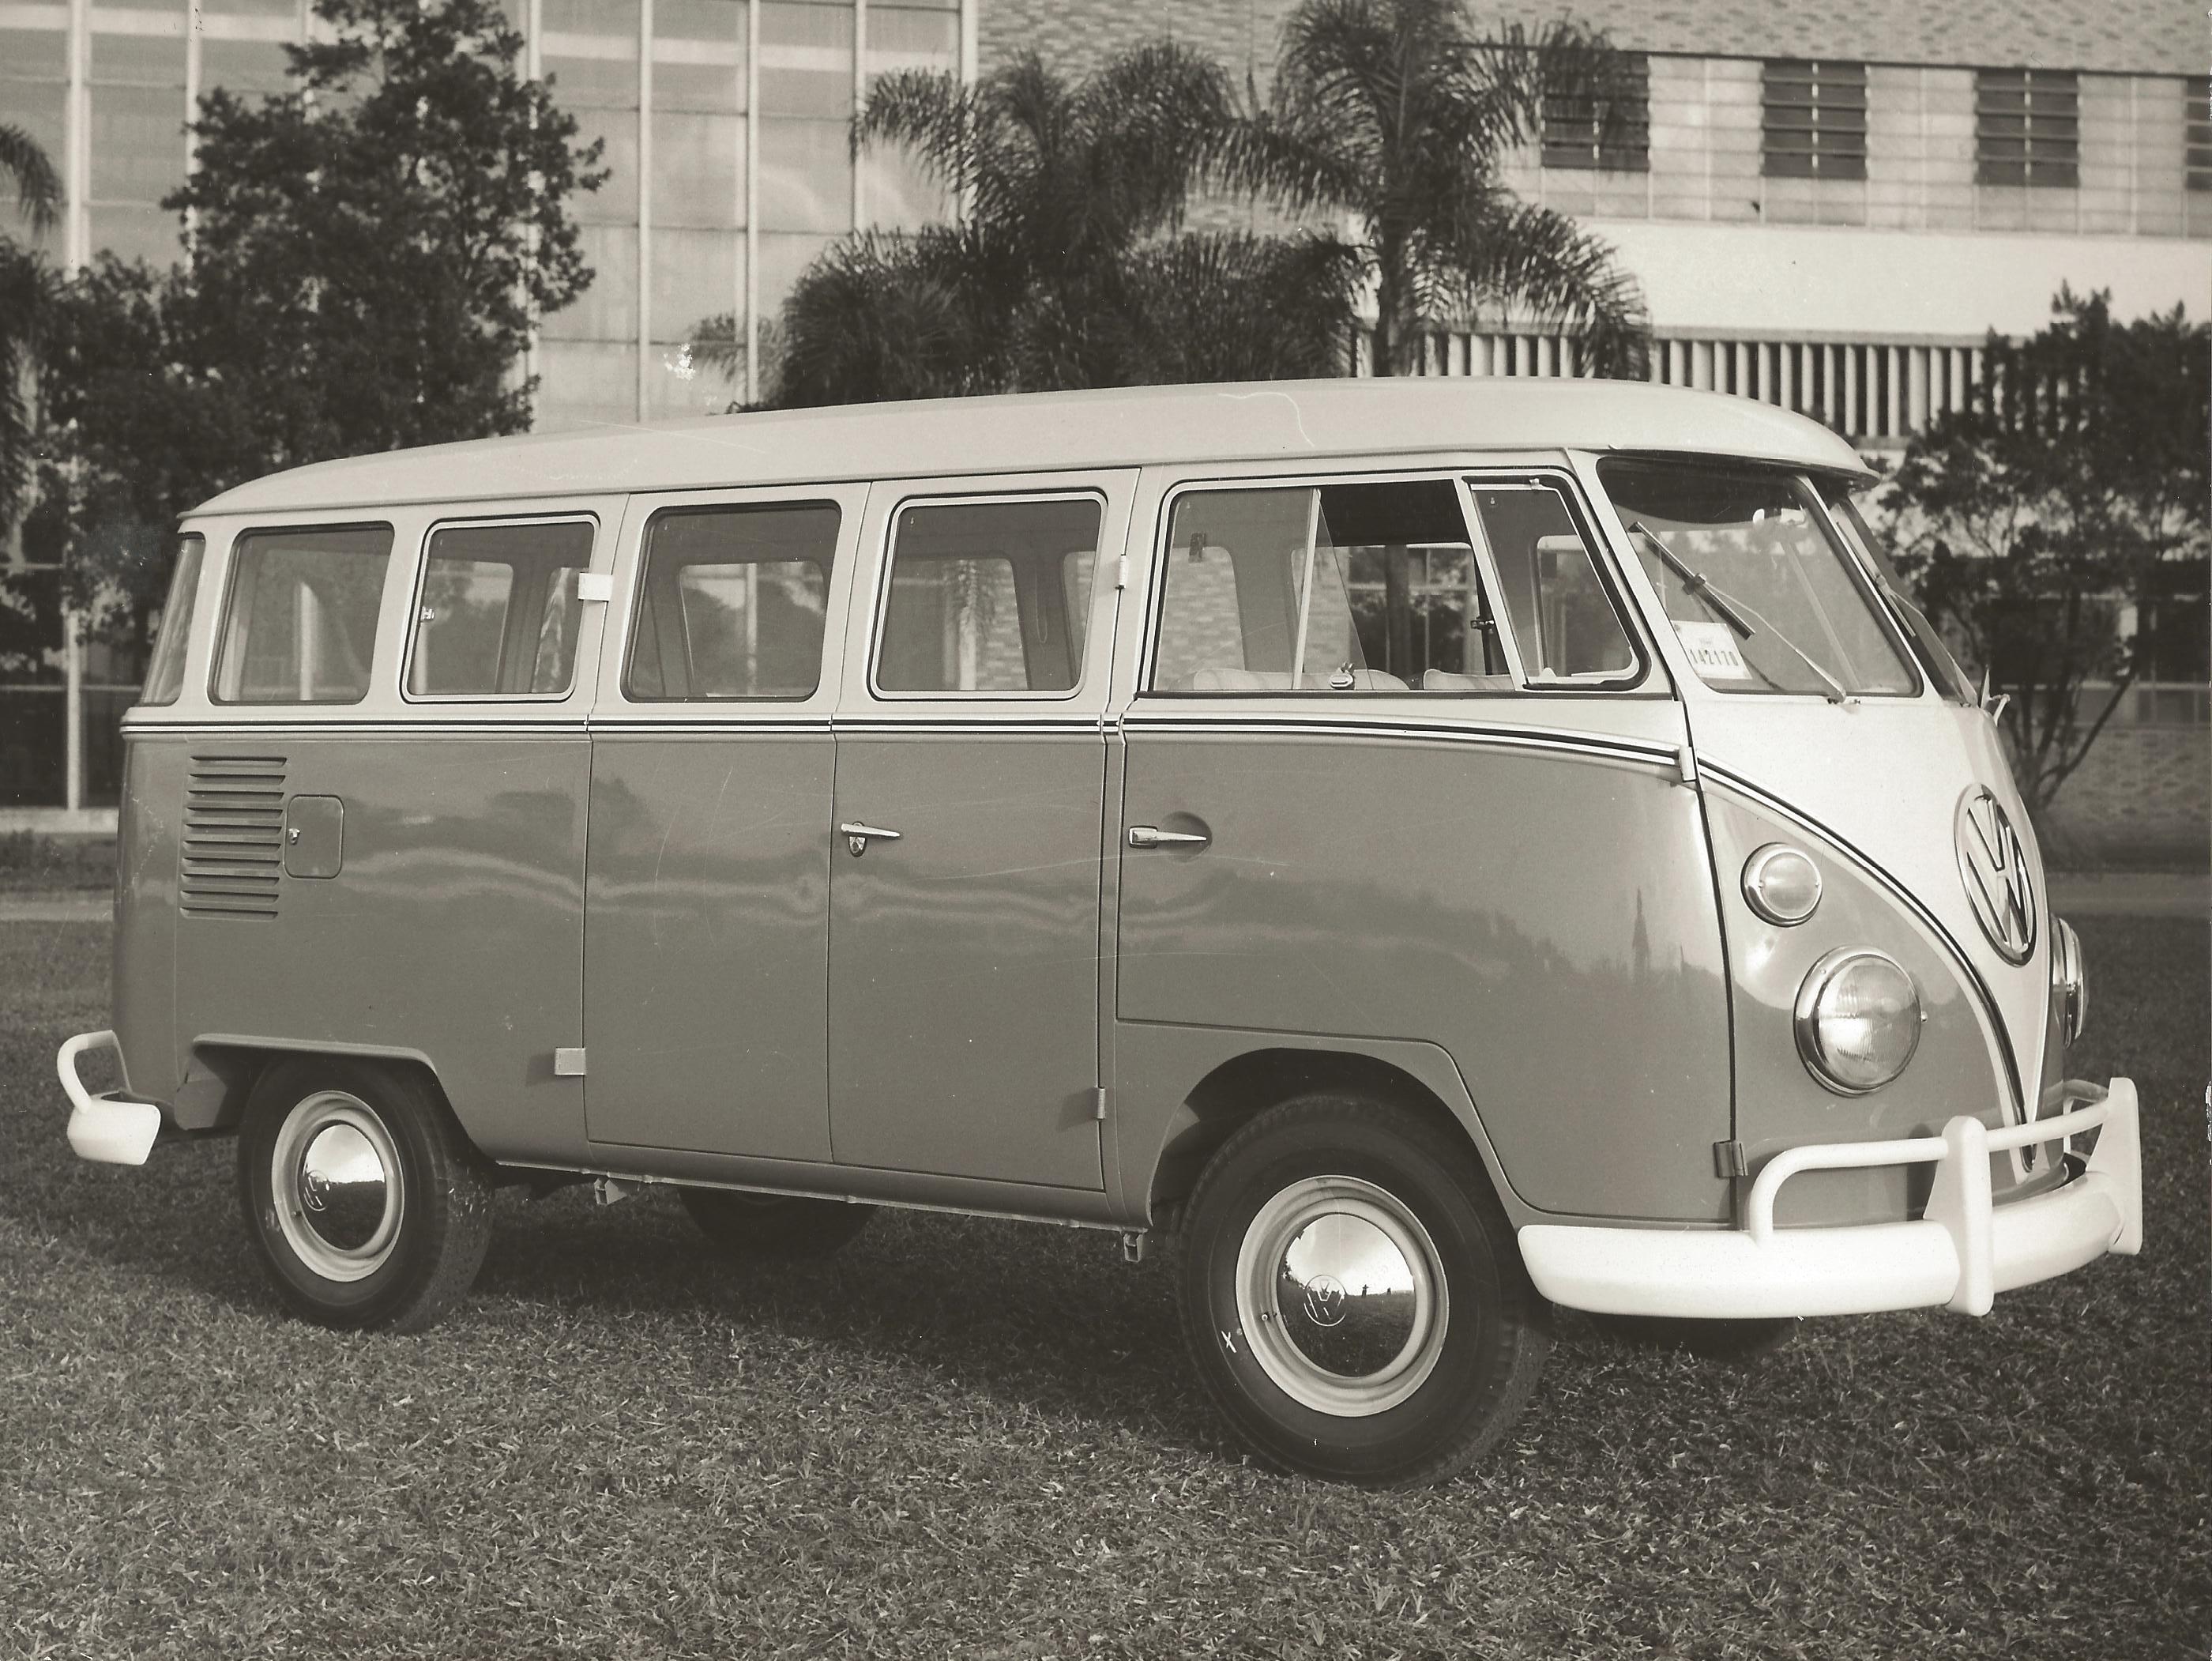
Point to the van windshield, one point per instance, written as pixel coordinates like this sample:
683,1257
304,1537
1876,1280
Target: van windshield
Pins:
1763,598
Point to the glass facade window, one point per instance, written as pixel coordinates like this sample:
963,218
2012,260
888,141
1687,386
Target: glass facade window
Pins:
1813,119
2028,127
2196,118
137,132
1591,133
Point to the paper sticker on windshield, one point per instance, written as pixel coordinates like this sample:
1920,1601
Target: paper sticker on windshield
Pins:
1712,650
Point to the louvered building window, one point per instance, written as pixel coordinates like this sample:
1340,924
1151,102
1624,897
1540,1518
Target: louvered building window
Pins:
1609,135
1815,117
2199,140
2028,127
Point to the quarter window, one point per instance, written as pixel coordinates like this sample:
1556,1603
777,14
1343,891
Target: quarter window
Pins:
498,612
1368,587
732,603
302,623
165,677
989,596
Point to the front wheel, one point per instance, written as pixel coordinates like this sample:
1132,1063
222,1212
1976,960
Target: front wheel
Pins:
367,1204
1353,1296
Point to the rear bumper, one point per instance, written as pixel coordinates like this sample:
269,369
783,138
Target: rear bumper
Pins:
1963,1252
104,1129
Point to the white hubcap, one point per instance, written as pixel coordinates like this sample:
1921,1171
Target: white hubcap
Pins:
1341,1296
334,1179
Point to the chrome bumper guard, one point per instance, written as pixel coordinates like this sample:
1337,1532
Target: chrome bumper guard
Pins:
1964,1249
104,1129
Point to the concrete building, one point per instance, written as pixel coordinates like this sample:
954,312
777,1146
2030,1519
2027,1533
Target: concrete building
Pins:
1829,208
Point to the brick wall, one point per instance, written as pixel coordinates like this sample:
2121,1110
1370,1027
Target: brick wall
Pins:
2142,797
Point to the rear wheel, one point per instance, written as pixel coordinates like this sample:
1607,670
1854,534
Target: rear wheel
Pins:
1353,1296
366,1203
774,1224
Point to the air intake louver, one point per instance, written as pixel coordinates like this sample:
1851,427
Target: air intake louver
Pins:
234,846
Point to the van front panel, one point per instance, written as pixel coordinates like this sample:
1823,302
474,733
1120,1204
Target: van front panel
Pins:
1542,911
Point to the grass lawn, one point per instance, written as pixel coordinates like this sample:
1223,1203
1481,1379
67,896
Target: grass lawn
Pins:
980,1440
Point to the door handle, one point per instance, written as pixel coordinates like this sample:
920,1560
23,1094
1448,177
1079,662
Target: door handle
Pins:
1151,835
856,835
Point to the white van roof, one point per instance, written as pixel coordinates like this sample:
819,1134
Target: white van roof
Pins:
1029,432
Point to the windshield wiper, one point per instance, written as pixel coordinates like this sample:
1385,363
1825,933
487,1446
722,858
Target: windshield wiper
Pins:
1742,620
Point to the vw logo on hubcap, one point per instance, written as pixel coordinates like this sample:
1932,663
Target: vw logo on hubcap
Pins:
1993,864
1324,1300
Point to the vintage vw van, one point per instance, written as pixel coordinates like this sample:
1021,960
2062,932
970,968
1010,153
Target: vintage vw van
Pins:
1447,849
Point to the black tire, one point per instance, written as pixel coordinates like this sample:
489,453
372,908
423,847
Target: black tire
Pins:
311,1224
1384,1416
1713,1340
774,1224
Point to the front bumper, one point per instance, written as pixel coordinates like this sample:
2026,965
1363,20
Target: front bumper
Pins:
104,1129
1965,1249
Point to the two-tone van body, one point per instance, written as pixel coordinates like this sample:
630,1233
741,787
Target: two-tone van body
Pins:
1449,847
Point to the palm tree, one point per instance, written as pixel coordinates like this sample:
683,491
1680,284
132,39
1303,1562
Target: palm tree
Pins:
1068,265
26,286
1396,113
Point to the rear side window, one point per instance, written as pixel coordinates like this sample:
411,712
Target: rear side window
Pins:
989,596
1366,587
165,676
498,610
732,603
301,626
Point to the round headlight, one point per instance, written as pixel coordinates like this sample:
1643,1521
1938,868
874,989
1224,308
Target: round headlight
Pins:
2070,979
1858,1020
1781,884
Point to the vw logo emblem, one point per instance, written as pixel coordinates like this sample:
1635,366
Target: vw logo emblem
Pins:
1993,864
1325,1300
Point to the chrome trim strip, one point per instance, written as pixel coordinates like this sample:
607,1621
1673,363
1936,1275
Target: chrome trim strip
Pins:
1505,738
1929,919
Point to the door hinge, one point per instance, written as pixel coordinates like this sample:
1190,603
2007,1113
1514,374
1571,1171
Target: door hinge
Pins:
595,585
1098,1103
569,1063
1121,572
1729,1160
1685,762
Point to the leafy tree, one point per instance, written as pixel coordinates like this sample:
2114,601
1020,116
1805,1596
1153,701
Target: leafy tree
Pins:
2075,482
1070,265
1397,113
26,288
368,251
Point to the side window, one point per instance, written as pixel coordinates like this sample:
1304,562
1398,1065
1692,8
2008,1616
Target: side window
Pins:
1368,587
301,623
498,610
1563,620
732,603
989,596
164,677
